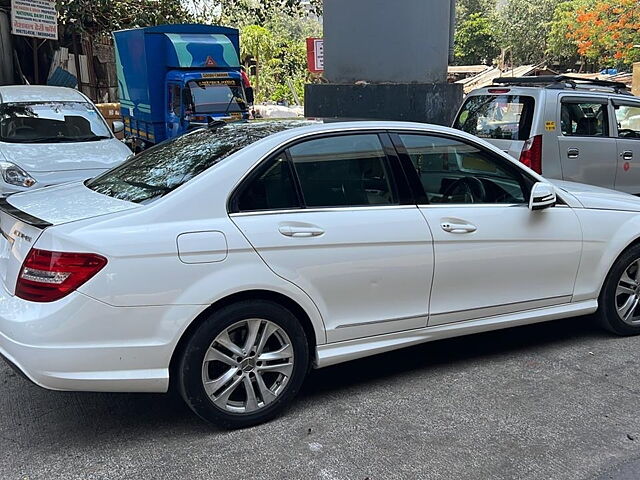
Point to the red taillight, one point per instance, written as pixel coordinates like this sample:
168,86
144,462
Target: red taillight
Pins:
47,276
531,154
499,90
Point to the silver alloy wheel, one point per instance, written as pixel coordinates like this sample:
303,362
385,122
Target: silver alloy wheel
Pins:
628,294
247,366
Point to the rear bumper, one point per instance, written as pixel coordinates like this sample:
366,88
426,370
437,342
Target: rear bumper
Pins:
78,343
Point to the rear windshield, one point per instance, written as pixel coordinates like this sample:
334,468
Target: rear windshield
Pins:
505,117
157,171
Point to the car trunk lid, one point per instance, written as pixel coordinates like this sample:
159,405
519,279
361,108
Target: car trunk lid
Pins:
19,233
24,216
67,203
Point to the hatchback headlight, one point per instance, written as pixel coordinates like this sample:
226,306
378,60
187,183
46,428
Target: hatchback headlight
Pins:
14,175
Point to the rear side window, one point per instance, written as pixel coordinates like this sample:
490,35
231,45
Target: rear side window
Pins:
272,189
347,170
584,119
505,117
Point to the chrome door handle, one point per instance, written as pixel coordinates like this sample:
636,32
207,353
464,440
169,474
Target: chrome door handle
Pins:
458,227
627,155
573,152
300,232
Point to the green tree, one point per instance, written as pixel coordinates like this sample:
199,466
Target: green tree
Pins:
524,27
104,16
259,44
464,8
239,13
475,41
559,46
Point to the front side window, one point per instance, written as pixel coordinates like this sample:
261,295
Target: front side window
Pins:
458,173
346,170
174,99
51,122
507,117
584,119
628,118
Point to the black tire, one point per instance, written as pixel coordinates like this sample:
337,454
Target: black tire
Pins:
190,367
607,314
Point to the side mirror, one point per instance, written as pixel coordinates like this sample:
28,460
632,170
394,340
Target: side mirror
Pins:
248,92
543,195
117,126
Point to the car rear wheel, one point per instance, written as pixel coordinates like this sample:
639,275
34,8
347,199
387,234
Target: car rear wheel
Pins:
619,302
244,364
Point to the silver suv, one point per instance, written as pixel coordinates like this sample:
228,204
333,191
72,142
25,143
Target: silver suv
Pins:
562,127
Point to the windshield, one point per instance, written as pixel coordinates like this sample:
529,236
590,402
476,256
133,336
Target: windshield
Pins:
51,122
505,117
216,96
155,172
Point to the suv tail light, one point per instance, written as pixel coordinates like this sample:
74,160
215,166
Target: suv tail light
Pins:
47,276
531,154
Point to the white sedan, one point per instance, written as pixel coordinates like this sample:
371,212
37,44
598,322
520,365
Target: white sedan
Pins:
233,259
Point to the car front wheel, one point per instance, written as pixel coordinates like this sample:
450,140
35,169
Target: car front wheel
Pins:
619,302
244,364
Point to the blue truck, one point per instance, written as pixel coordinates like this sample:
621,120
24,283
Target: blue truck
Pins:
173,78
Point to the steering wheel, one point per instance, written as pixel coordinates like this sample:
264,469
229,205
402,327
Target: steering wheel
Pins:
471,186
628,133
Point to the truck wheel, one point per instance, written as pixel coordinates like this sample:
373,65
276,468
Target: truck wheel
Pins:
244,364
619,301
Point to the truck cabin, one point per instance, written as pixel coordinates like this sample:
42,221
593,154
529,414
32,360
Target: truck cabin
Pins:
197,97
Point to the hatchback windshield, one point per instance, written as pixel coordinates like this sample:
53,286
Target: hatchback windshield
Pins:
497,116
51,122
155,172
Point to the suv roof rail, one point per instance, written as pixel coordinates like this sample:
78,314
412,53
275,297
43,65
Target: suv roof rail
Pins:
564,81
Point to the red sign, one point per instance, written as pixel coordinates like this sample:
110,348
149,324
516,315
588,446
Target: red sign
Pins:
210,62
315,55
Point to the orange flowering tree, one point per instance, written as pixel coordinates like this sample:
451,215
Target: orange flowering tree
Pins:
602,31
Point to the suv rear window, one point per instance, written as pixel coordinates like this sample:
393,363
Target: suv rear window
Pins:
505,117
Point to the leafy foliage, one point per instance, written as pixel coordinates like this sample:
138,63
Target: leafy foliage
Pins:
104,16
607,31
239,13
475,40
524,27
464,8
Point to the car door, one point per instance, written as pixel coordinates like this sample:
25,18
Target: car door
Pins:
627,132
492,254
588,151
329,215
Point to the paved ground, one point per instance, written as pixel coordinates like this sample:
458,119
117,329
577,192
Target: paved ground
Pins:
551,401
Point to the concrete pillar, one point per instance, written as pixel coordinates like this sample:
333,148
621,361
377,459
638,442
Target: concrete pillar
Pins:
385,60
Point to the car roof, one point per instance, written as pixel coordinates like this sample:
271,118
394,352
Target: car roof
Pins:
310,126
538,89
39,93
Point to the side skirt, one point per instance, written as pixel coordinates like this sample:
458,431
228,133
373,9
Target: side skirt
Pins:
332,353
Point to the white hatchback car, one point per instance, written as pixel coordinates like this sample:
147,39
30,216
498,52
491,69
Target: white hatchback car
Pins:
52,135
231,261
